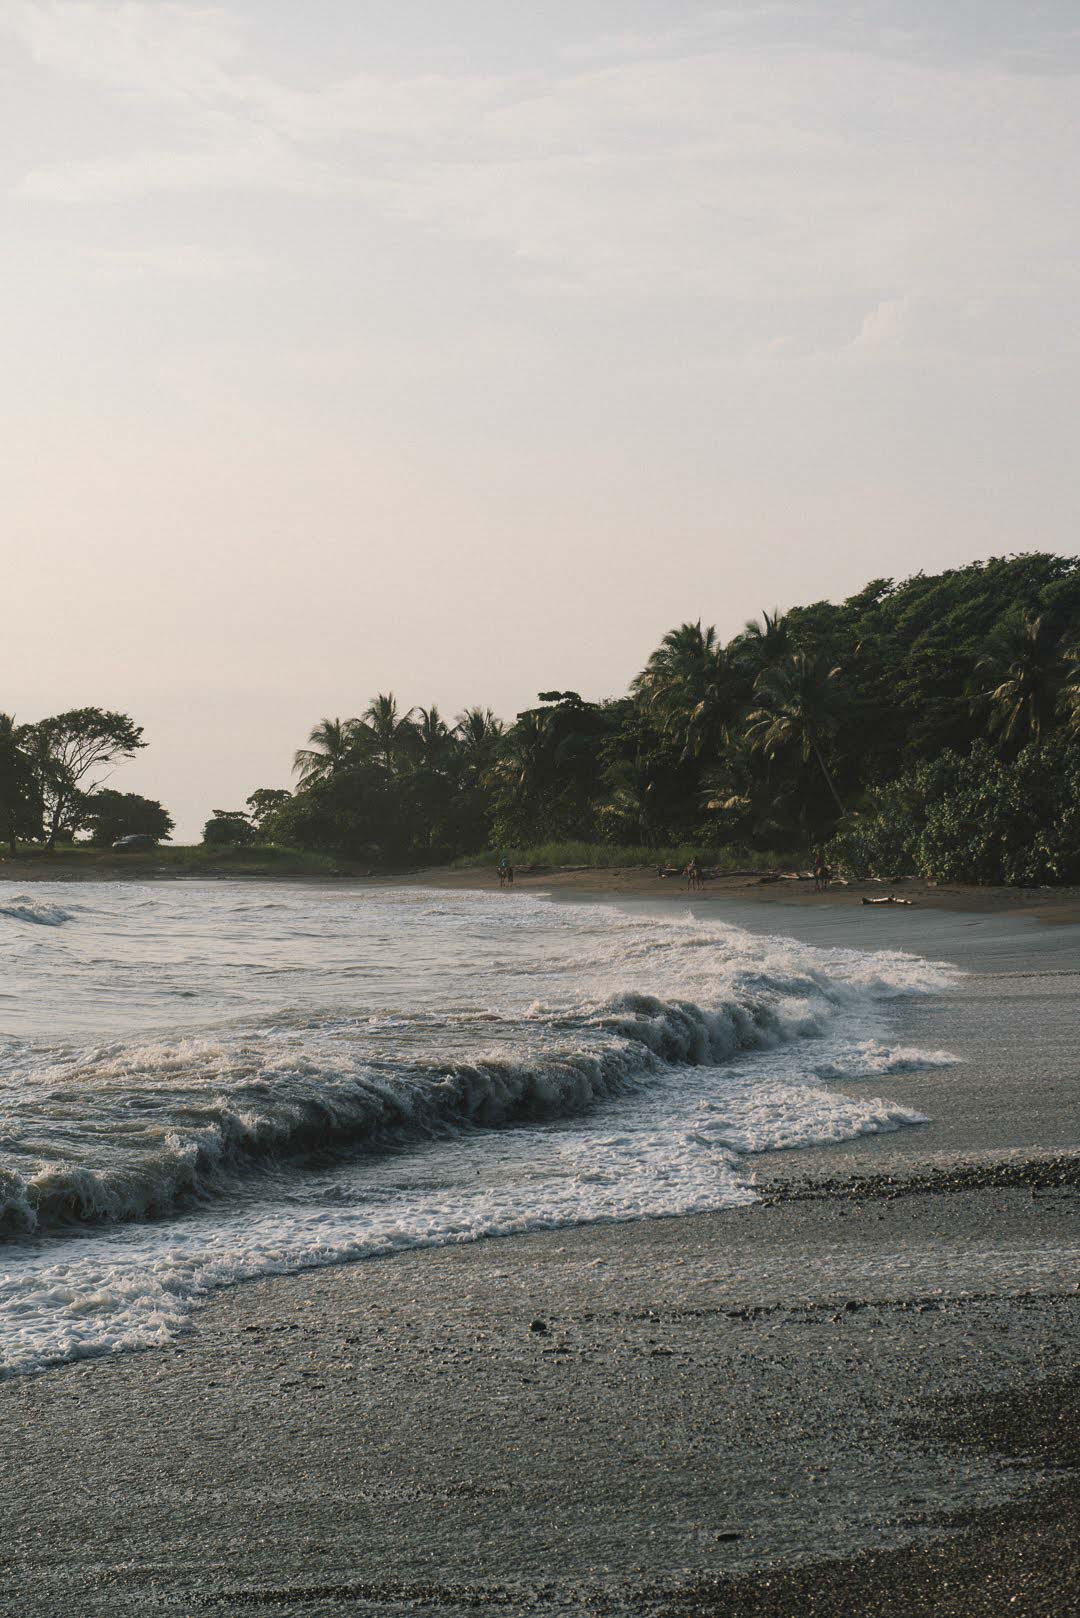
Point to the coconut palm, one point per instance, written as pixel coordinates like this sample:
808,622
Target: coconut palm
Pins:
796,709
480,737
688,689
1024,664
330,743
389,734
770,639
432,738
1069,699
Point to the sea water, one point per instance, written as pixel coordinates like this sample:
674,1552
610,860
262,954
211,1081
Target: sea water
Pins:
204,1082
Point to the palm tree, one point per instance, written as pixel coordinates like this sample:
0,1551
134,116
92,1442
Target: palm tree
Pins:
770,639
389,733
1069,700
433,739
1025,660
480,737
687,686
331,742
797,709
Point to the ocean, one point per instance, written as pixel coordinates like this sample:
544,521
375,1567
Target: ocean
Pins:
206,1082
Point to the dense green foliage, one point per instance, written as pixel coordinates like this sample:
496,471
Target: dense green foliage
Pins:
110,815
47,790
896,723
974,818
229,828
930,726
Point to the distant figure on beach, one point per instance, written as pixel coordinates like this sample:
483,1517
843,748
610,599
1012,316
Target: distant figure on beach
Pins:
822,873
504,867
694,878
509,875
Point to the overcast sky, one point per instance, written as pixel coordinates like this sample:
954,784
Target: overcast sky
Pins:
463,347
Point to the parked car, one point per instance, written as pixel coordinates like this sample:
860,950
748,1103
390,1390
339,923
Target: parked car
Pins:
134,843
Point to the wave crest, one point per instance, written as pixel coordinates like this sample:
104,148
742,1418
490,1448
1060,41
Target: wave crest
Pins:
37,911
267,1104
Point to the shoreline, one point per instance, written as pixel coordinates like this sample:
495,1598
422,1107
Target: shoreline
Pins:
620,882
829,1395
1061,905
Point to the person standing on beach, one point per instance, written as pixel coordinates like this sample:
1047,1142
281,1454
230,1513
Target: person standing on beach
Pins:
504,866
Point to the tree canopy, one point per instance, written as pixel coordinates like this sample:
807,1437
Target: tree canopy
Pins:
778,739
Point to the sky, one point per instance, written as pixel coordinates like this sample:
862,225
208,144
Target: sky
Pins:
461,348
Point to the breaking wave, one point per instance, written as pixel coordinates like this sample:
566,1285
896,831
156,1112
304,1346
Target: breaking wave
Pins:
36,911
207,1084
211,1112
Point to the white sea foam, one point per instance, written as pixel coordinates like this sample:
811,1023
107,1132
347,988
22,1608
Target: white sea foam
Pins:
870,1059
36,911
448,1070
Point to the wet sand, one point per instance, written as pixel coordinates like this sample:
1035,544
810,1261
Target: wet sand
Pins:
634,882
857,1397
601,1420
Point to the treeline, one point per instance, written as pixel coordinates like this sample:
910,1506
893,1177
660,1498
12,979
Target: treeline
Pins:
930,725
49,786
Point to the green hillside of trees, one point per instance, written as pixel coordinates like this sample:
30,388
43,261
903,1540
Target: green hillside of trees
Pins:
931,725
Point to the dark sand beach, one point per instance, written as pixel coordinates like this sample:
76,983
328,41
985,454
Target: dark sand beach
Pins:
1060,904
857,1396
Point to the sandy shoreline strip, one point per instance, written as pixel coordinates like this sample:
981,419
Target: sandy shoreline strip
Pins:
720,1413
633,882
613,882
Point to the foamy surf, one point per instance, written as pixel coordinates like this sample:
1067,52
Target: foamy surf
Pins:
551,1066
37,912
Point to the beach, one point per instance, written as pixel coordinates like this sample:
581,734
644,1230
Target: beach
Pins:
855,1394
791,887
714,1405
1060,904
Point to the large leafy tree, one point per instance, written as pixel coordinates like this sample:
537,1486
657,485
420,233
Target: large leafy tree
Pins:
20,797
230,828
110,815
264,802
67,751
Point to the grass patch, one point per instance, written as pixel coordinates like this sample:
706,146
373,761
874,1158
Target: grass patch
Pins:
76,862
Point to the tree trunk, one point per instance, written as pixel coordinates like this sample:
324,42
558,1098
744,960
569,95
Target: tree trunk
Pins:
54,826
828,777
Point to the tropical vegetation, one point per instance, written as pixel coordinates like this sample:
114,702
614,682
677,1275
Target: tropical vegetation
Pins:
52,776
930,725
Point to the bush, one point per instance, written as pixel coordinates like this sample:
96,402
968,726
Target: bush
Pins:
111,815
973,819
230,827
